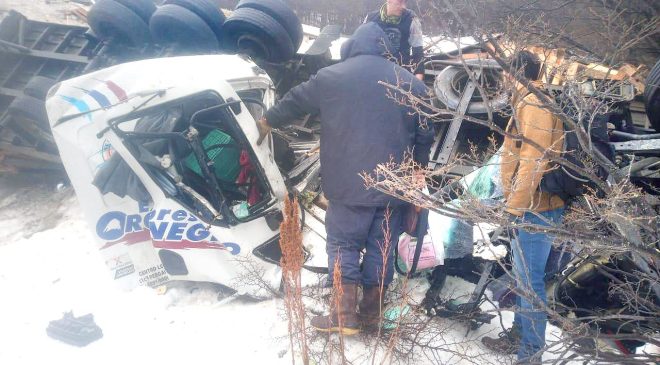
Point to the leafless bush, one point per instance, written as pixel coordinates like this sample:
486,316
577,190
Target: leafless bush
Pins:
292,261
613,230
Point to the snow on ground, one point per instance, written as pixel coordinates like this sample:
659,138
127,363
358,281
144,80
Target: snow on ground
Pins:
54,268
48,266
58,270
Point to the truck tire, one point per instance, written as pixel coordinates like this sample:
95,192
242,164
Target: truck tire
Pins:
448,92
143,8
257,34
111,20
31,108
206,10
281,12
176,25
9,26
38,87
652,96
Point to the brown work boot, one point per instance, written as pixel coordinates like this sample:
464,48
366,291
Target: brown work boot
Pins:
346,312
373,302
507,342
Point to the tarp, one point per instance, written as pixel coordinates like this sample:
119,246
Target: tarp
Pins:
457,235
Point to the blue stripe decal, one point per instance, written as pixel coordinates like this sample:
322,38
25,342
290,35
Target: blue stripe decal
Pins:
100,98
79,104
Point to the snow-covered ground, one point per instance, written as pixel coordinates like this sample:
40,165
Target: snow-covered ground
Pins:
48,269
58,270
49,266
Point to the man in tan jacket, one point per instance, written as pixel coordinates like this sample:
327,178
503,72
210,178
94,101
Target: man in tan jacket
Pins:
534,135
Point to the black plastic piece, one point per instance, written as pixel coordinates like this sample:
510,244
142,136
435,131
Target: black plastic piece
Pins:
173,263
76,331
468,312
274,219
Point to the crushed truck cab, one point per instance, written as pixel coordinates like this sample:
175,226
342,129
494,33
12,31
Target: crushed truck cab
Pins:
163,157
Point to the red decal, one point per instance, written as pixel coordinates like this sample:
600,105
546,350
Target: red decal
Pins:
184,245
131,239
118,91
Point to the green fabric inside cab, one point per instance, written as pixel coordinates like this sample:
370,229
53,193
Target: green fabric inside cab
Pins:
226,159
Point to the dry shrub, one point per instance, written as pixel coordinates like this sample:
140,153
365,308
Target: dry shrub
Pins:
292,261
337,294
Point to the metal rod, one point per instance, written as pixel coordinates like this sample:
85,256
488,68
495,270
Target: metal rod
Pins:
636,137
460,64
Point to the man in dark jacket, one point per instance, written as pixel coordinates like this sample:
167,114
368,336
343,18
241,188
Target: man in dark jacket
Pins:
361,126
404,29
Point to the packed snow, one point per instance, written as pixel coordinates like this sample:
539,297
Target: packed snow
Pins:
49,266
52,268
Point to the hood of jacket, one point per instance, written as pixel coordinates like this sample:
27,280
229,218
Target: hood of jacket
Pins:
368,39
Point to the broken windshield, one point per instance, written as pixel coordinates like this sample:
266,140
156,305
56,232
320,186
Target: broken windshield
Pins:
196,153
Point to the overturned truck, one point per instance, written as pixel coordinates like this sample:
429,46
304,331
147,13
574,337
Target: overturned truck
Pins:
170,176
162,151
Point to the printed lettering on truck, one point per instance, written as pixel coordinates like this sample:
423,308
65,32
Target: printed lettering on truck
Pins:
168,229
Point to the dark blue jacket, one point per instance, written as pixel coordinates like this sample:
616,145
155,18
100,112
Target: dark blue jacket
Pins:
361,125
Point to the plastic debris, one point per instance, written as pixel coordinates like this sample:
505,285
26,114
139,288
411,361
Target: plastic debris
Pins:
77,331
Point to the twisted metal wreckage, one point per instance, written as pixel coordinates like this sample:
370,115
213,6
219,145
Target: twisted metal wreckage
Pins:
156,131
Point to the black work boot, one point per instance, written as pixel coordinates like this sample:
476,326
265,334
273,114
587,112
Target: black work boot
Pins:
371,306
346,312
507,342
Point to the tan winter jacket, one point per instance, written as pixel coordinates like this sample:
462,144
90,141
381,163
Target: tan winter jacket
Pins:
524,164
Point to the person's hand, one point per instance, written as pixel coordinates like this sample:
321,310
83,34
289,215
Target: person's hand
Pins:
420,77
264,129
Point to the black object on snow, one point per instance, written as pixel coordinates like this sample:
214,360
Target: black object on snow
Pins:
77,331
143,8
206,10
280,12
111,20
257,34
176,25
38,87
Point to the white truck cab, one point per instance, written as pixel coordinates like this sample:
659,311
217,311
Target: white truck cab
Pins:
163,157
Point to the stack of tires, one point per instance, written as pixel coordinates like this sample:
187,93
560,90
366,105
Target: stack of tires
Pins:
267,30
264,29
125,22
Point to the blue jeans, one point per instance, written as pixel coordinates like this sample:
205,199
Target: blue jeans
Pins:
351,229
530,254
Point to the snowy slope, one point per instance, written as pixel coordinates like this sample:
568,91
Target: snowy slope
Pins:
58,270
